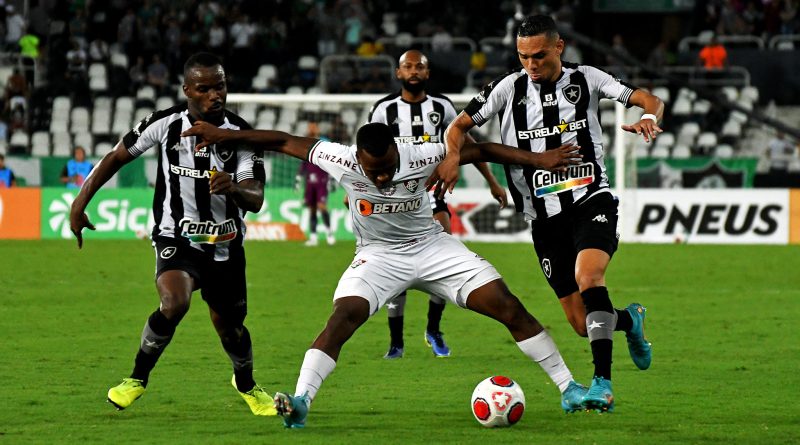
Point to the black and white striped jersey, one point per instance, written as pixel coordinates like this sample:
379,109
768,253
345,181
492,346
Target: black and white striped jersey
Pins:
183,207
414,123
543,116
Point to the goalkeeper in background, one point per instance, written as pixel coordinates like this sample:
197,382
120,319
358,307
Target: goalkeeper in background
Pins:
317,185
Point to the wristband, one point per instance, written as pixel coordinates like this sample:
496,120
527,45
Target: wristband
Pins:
650,116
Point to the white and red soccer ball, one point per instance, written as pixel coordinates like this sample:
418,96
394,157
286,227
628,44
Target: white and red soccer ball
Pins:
498,401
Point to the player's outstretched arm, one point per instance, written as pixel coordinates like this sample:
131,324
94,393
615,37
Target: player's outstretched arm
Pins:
445,176
653,112
101,173
247,194
554,160
497,190
279,141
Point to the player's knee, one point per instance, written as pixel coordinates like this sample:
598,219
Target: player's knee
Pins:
511,312
174,305
588,279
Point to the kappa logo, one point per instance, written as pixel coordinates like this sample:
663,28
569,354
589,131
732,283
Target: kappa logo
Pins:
546,267
168,252
524,100
600,218
572,93
397,121
411,185
137,130
435,118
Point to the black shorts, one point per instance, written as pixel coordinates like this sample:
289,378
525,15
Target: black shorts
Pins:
222,284
558,239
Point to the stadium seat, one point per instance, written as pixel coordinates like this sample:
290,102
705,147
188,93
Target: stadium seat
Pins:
19,140
122,122
307,62
98,84
62,104
101,123
701,107
267,71
59,121
750,92
723,151
141,113
146,93
739,117
349,117
680,151
266,118
164,102
785,45
662,93
124,103
314,90
660,152
641,151
666,139
79,120
332,107
732,128
688,133
119,59
682,107
706,141
103,148
470,90
294,89
62,144
85,140
730,93
40,144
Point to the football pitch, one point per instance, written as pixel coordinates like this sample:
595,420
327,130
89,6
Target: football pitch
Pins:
723,321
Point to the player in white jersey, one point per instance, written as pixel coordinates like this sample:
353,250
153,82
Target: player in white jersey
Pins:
395,234
573,214
416,116
199,203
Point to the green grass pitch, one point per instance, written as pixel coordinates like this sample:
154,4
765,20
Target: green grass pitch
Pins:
723,321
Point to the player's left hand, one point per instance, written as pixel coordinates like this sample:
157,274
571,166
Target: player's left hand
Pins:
207,134
221,183
499,194
648,128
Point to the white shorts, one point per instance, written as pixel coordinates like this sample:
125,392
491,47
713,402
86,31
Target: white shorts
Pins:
438,264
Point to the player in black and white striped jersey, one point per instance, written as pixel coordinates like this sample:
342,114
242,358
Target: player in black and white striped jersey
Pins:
417,116
199,203
573,213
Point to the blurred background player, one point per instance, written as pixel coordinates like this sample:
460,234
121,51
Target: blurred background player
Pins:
416,116
316,184
7,178
573,215
76,169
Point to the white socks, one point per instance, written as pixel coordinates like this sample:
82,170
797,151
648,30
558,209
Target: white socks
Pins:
316,367
542,349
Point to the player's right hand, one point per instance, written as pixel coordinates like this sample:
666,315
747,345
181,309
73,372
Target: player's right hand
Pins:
207,134
445,176
77,221
559,159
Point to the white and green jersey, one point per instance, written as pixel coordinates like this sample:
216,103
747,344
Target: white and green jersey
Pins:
393,215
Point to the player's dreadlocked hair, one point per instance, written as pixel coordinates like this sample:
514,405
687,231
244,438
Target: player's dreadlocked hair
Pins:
374,138
203,59
535,25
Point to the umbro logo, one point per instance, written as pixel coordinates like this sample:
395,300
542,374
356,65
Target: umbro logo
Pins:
600,218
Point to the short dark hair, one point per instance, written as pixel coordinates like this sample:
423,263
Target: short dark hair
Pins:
375,138
204,59
534,25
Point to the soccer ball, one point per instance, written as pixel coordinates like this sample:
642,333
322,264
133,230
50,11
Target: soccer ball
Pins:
498,401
